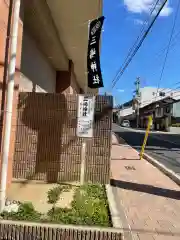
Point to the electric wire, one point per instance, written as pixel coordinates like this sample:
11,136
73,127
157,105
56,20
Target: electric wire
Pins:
169,43
137,39
140,44
173,91
175,37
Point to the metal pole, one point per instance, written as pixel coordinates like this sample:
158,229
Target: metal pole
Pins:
86,85
84,143
9,103
146,137
137,117
137,83
83,160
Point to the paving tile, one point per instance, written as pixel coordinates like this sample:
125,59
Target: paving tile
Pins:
150,199
146,236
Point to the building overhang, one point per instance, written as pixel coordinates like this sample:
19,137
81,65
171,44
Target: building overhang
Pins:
71,20
38,21
61,29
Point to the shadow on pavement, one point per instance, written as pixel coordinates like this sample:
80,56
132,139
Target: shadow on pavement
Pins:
163,192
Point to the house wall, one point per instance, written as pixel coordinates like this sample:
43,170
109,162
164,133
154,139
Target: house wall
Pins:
34,72
37,73
148,94
66,81
74,87
125,112
176,110
5,38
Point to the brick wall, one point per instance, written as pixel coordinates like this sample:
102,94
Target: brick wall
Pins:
46,146
64,80
4,37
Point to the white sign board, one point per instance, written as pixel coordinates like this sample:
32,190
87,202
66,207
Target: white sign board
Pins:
85,118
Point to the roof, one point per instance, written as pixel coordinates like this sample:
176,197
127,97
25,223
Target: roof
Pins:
164,101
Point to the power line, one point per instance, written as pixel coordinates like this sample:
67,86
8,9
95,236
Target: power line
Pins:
167,52
171,86
137,39
168,49
139,45
170,91
172,44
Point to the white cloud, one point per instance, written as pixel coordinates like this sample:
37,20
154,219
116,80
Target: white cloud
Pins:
166,11
145,6
120,90
139,22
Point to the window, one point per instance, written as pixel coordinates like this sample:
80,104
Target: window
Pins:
162,94
159,112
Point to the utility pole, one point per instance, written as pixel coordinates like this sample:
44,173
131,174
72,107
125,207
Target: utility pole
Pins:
137,98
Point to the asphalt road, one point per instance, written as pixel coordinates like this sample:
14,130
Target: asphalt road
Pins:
164,147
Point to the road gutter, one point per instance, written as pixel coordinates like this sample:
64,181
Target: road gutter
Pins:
118,216
168,172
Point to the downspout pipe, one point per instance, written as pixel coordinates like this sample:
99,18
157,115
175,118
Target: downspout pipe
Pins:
9,103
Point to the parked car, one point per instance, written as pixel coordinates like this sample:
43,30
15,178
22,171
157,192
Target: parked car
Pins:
125,123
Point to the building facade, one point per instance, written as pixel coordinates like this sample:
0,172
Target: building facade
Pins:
51,50
148,97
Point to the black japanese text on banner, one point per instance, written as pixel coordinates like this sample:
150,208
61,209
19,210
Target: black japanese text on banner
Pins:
93,59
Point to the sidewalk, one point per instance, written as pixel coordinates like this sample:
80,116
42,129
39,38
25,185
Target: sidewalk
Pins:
147,200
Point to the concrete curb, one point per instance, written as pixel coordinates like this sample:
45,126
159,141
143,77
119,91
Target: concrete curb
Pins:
168,172
62,226
115,216
172,175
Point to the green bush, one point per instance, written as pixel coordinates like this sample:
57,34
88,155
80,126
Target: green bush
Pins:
89,207
91,204
62,215
54,193
25,212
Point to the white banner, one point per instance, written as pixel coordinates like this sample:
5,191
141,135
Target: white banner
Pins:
85,116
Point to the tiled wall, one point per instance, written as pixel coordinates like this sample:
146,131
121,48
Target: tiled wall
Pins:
46,146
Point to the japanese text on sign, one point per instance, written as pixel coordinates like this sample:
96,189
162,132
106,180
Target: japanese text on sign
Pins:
93,59
85,116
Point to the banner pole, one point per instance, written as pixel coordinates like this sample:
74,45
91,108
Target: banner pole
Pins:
84,142
86,83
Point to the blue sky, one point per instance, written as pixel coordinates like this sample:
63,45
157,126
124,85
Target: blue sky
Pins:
121,28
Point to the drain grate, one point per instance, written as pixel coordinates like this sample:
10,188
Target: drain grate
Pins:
132,168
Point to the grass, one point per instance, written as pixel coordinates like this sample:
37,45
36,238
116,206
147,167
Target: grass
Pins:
89,207
54,193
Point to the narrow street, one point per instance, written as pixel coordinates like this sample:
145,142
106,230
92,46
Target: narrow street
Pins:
164,147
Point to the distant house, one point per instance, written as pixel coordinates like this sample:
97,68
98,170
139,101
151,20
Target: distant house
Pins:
149,96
